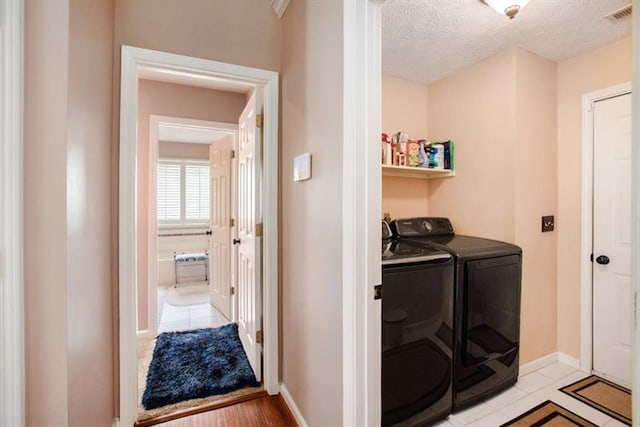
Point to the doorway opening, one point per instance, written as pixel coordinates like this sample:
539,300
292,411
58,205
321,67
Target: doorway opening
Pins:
190,264
180,209
180,187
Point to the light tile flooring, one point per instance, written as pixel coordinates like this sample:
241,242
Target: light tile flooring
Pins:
530,390
184,317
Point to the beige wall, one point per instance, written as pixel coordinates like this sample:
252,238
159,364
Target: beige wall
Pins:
311,211
405,197
404,108
68,79
245,32
475,109
535,196
165,99
501,115
599,69
45,222
183,150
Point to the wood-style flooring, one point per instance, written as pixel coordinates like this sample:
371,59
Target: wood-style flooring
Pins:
262,411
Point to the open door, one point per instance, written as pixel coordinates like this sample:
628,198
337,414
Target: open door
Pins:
220,211
249,239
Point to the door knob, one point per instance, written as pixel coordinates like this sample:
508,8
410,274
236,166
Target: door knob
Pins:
237,242
602,259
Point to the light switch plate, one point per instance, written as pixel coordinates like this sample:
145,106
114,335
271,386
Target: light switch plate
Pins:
302,167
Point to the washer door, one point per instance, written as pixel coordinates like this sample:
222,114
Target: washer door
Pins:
417,318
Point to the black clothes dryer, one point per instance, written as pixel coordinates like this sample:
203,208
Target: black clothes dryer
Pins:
486,306
417,319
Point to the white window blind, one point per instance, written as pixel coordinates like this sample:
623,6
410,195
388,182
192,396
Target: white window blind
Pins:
183,192
169,189
197,192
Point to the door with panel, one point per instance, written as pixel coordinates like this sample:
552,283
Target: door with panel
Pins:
249,228
220,208
612,288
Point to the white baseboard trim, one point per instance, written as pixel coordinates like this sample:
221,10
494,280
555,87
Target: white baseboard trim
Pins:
569,360
547,360
540,363
292,406
116,422
144,334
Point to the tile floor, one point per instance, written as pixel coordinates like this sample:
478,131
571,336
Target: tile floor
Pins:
530,390
183,317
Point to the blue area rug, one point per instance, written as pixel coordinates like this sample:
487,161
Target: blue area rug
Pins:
195,364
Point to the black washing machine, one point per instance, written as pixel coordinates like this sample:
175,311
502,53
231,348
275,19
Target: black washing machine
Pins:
487,287
417,334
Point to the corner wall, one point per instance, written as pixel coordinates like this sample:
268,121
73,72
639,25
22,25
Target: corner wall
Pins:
475,109
404,108
501,114
536,195
311,211
68,310
608,66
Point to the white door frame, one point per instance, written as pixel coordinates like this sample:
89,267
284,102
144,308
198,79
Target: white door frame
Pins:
635,213
132,60
152,219
12,386
361,201
586,266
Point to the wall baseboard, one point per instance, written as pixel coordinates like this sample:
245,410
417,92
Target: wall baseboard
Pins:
144,334
547,360
292,406
116,422
540,363
569,360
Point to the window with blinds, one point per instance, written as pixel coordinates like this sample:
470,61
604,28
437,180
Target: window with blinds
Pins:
183,192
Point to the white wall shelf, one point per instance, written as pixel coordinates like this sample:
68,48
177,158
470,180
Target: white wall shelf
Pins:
414,172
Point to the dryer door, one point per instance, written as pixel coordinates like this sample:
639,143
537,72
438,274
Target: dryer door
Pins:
491,327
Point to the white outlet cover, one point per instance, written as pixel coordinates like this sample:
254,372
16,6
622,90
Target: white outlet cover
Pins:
302,167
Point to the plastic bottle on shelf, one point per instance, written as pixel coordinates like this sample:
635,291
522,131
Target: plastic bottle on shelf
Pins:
424,157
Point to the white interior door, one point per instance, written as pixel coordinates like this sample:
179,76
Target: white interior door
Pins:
220,212
249,239
612,290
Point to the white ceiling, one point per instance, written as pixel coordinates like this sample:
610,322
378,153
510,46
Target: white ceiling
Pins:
191,134
426,40
187,78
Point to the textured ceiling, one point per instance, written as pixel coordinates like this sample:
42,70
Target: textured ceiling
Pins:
426,40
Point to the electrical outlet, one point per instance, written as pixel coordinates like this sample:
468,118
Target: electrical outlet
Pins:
548,223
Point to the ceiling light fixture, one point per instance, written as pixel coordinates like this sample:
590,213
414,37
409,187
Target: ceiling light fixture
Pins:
508,7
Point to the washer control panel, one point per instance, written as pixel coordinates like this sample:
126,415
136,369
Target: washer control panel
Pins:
413,227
